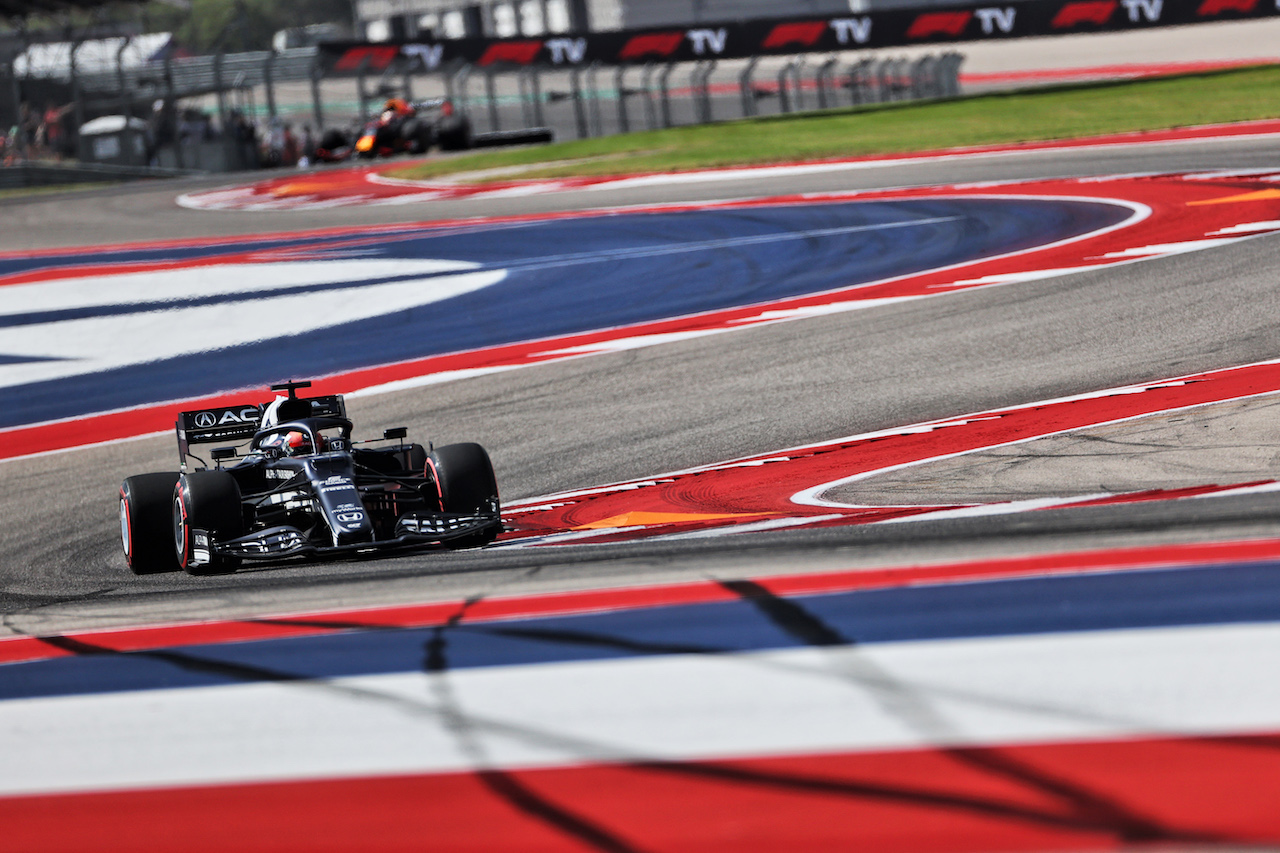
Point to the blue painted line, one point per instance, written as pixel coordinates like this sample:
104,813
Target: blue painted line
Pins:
1206,595
24,359
570,276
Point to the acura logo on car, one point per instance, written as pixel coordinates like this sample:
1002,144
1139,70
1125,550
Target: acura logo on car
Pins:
205,420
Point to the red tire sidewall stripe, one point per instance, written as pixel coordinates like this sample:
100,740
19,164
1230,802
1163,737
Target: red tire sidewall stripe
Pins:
182,514
127,529
435,477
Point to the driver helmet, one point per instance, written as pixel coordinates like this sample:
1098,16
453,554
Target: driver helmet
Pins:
396,105
297,444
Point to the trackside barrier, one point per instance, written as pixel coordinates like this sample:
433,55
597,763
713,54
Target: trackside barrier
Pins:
652,78
233,79
645,61
26,175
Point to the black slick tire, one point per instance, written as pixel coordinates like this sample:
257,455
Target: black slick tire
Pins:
145,523
465,483
209,501
455,135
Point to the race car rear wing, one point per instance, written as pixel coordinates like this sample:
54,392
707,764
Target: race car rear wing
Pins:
241,422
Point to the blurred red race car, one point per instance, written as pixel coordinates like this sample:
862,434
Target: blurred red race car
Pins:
401,127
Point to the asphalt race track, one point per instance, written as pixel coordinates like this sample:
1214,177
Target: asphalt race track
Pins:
958,423
636,413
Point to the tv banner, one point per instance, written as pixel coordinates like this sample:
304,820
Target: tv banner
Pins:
744,39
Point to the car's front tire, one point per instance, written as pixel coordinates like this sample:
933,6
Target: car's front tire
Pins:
418,136
144,523
465,483
207,501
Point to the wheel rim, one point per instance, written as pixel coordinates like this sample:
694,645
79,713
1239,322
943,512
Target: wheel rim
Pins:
126,538
180,528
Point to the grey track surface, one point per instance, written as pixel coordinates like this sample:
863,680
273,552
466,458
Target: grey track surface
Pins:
642,412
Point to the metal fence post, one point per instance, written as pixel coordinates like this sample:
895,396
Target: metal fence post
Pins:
20,143
526,100
700,81
901,79
77,100
491,92
535,79
650,111
169,113
784,97
317,105
579,111
619,85
950,73
664,88
595,124
458,89
747,87
860,82
922,78
268,66
222,89
824,82
126,102
884,80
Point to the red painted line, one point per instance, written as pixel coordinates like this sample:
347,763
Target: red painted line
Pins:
1177,792
20,649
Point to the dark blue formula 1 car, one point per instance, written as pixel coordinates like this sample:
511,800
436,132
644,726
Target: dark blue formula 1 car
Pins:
301,488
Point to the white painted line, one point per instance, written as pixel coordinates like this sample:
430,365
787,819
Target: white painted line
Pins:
1170,248
137,317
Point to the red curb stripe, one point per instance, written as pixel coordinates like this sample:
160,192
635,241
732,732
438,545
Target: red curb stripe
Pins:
1202,791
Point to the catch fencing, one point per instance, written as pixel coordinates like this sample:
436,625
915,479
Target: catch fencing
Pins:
583,85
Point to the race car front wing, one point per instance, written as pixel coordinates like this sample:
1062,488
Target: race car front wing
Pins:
413,530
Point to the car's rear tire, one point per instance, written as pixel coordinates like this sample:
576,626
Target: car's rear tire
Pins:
334,139
465,483
209,501
145,523
455,135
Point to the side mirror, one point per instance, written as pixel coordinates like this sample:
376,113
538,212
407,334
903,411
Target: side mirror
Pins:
395,432
221,453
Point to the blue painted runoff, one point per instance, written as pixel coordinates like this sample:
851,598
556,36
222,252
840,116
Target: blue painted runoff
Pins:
562,276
